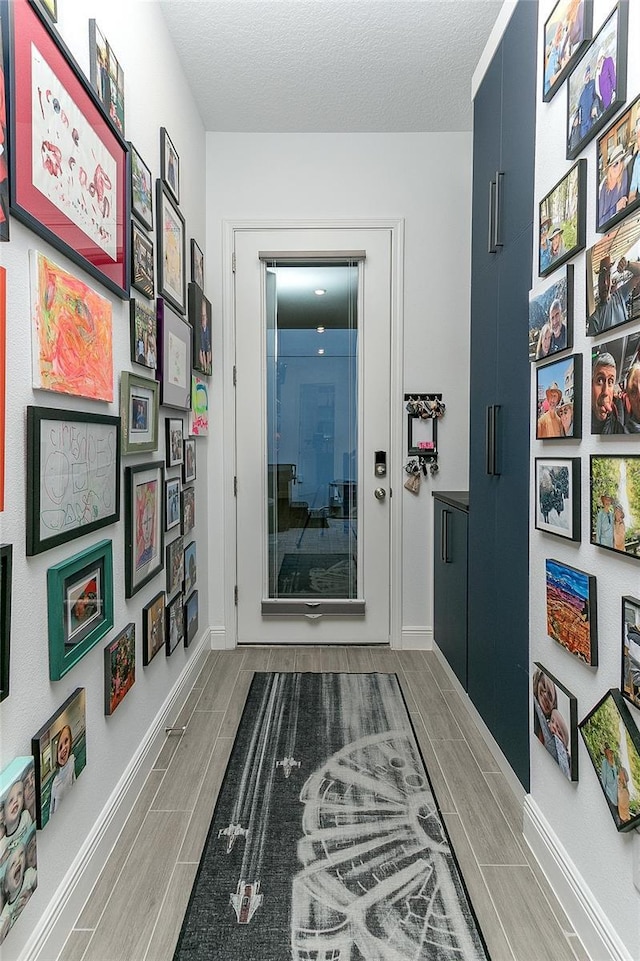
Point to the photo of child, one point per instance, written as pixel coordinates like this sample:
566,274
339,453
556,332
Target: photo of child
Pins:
555,721
18,854
60,754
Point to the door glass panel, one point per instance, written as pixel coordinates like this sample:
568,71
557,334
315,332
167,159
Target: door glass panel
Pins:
312,430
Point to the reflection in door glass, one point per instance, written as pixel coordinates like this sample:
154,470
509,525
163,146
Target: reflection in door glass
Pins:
312,419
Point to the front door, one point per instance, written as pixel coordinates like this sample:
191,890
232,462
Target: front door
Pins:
312,329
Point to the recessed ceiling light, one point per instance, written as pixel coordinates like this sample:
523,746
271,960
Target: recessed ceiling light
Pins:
320,330
320,292
321,350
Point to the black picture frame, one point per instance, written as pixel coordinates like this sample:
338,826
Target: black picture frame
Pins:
188,510
613,260
174,353
48,7
558,399
175,624
67,724
545,306
141,189
144,524
153,631
119,668
6,569
144,335
564,40
169,164
175,565
572,610
562,212
171,252
4,123
615,386
555,720
630,650
174,431
172,512
615,199
199,311
189,460
142,270
106,75
557,496
190,618
190,568
197,265
609,483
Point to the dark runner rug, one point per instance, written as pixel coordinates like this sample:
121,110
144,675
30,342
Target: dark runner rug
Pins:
326,843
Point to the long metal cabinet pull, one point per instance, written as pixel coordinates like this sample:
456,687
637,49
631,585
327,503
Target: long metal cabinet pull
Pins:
491,248
497,216
444,537
488,439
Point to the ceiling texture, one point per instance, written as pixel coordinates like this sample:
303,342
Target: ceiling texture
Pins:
325,66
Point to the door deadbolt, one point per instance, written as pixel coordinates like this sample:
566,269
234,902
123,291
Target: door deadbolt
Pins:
380,493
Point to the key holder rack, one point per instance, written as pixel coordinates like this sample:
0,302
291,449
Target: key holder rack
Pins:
424,411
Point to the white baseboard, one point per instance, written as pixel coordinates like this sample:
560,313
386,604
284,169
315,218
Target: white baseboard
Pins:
220,641
591,924
416,639
59,916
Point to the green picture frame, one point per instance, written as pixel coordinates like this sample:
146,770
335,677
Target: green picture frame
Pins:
139,413
79,605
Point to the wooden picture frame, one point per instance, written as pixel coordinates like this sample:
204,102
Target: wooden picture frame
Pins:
142,270
171,244
172,515
139,413
613,260
119,668
174,352
6,568
551,317
144,335
175,624
60,755
618,169
169,164
190,618
555,720
144,524
557,496
558,399
562,220
197,265
141,189
174,429
572,613
106,75
189,461
612,480
153,618
630,650
175,565
567,30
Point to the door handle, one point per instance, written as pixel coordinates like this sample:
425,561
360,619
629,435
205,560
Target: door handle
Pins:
497,214
491,247
379,493
491,440
444,539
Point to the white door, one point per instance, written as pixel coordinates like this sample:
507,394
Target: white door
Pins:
312,329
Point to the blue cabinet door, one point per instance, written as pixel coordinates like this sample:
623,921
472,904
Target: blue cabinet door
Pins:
486,157
450,586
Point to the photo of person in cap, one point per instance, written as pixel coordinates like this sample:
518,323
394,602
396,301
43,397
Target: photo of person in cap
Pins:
612,308
549,423
589,108
613,189
605,417
604,522
556,242
565,413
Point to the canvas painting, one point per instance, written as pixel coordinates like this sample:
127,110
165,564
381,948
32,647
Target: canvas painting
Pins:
18,845
572,611
60,755
199,413
555,721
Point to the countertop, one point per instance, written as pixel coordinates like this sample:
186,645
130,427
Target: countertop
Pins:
459,499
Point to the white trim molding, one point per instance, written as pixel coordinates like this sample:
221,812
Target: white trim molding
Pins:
416,639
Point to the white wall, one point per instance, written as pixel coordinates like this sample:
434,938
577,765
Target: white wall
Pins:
424,178
156,94
578,813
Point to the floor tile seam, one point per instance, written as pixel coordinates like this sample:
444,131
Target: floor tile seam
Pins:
519,836
545,895
450,712
196,684
198,784
558,925
159,913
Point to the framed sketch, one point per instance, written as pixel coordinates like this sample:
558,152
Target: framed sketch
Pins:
143,517
19,845
572,610
613,278
171,249
557,496
567,30
555,720
190,568
175,565
4,132
174,449
199,413
144,335
141,189
551,317
615,386
618,169
169,164
200,320
142,276
612,740
119,668
597,86
107,76
172,515
73,481
175,624
188,509
6,563
197,265
189,462
73,126
562,220
139,413
190,618
60,754
153,628
79,606
614,481
630,648
174,369
559,399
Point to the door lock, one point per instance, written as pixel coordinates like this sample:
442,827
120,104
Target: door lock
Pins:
380,493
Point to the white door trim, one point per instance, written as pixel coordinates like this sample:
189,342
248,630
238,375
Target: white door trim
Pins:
396,455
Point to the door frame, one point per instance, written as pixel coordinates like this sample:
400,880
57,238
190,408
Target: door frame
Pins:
396,360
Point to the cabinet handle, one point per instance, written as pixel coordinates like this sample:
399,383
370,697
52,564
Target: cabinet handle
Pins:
444,543
488,439
491,248
497,213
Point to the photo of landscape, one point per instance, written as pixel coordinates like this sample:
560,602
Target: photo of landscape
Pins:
571,610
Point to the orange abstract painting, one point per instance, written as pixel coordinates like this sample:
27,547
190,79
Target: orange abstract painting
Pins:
72,333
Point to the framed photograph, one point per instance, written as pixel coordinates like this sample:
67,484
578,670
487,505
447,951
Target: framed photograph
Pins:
630,682
551,317
139,413
572,610
70,320
153,628
189,461
190,618
197,265
175,625
557,496
142,276
562,220
555,720
559,399
566,33
171,249
4,131
175,565
188,509
48,7
618,169
6,563
172,515
615,507
190,568
169,164
199,413
144,335
141,189
612,740
144,536
613,278
175,438
107,76
200,320
60,755
174,370
615,386
597,85
19,871
119,668
86,219
79,606
73,480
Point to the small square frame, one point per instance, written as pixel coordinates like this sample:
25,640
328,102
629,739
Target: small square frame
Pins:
119,656
169,165
172,514
189,461
141,189
142,270
197,265
175,624
557,494
139,413
153,616
175,565
174,427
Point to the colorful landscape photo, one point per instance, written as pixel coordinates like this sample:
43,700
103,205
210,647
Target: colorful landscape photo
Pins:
571,610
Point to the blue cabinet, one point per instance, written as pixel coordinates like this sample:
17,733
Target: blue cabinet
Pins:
450,579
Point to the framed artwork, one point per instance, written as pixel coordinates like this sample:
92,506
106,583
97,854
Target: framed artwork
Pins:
197,265
174,369
73,481
139,413
172,516
85,217
200,320
141,189
175,565
175,625
72,341
4,131
567,30
107,76
613,278
615,386
559,399
188,509
199,413
169,164
19,871
189,461
153,628
618,169
562,220
572,610
597,86
60,754
190,568
190,618
174,433
630,647
3,376
557,496
615,506
6,564
142,276
144,335
79,606
555,720
144,537
551,317
171,249
119,668
612,740
49,7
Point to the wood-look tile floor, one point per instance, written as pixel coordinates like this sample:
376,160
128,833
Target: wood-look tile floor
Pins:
135,910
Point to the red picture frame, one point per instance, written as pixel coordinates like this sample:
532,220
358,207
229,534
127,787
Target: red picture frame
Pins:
75,195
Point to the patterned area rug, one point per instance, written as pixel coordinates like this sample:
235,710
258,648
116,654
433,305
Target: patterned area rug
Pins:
326,843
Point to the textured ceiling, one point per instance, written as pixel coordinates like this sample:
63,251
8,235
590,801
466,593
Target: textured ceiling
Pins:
331,65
